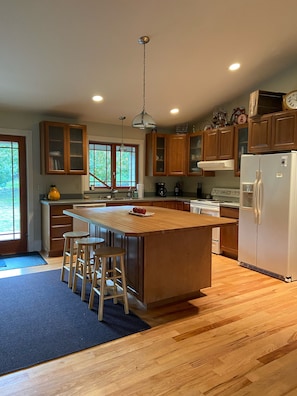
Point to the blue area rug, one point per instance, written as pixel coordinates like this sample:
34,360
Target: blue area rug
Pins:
23,260
41,319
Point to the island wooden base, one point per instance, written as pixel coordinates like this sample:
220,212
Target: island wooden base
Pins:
165,267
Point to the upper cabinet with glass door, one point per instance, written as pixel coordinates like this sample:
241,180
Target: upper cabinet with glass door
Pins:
195,153
240,145
156,154
63,148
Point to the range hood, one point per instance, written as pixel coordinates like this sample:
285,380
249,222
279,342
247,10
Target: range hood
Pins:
216,165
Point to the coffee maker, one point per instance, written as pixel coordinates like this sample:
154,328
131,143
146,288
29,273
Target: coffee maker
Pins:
160,189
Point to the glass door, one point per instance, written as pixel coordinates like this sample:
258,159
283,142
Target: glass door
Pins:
160,154
13,195
241,146
195,153
56,149
77,145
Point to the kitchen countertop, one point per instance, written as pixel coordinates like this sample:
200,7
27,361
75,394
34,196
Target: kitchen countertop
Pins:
132,201
117,218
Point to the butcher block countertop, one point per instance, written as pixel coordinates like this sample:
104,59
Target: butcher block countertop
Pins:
117,218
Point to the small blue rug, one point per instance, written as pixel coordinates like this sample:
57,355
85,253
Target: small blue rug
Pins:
41,320
23,260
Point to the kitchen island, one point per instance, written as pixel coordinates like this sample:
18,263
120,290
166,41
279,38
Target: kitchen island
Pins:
168,254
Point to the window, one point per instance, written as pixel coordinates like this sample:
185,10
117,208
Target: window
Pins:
110,166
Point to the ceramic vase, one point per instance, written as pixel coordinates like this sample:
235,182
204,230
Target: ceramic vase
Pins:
53,194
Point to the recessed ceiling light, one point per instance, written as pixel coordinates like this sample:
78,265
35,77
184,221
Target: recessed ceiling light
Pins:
97,98
174,111
234,66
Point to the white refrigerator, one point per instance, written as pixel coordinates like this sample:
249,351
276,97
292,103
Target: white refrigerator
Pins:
267,239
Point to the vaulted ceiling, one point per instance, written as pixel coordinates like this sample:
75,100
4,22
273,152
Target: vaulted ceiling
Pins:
57,54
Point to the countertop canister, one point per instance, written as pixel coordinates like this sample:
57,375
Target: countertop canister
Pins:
140,190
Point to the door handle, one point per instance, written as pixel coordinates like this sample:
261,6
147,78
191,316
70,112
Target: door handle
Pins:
260,197
255,198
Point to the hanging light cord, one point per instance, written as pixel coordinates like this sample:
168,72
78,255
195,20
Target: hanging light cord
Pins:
144,77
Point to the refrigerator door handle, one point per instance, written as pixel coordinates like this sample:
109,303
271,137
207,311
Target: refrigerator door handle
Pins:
255,198
260,197
255,202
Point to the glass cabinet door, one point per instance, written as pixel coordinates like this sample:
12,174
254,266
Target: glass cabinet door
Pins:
241,146
160,154
56,148
76,149
195,153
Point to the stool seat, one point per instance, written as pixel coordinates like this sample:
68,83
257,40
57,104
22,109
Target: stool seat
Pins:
112,272
109,251
75,234
90,241
69,252
84,261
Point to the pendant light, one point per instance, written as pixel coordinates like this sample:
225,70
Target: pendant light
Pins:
143,120
122,148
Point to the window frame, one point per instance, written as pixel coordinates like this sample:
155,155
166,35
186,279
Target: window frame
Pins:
114,149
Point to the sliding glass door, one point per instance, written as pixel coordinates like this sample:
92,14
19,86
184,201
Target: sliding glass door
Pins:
13,194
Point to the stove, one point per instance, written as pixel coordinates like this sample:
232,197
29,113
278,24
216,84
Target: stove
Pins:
211,207
220,195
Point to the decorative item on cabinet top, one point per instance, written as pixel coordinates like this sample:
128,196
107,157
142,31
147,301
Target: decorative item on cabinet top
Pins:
183,128
265,102
238,116
219,118
290,100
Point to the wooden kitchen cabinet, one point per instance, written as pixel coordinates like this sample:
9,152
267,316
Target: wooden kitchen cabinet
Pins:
168,204
229,234
165,154
219,143
128,202
176,154
284,131
273,132
185,206
259,139
240,145
165,204
63,148
54,225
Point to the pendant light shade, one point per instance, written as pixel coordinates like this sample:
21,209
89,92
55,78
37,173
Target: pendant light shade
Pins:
143,120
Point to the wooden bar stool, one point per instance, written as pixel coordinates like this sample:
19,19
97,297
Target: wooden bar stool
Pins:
105,274
84,262
69,252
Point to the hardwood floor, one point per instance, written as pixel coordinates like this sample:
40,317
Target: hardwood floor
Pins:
239,338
